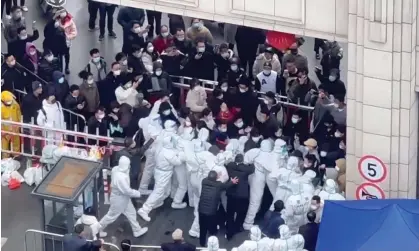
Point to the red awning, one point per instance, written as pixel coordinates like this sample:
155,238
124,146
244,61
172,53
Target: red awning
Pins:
280,40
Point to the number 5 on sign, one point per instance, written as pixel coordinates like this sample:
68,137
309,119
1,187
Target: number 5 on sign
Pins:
372,169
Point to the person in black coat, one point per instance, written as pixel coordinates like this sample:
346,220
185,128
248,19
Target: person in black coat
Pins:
215,101
246,100
134,60
107,87
238,195
75,103
55,41
97,125
172,60
182,44
13,77
247,42
18,47
200,62
273,220
133,35
47,65
32,103
208,204
234,73
310,231
222,61
178,243
76,241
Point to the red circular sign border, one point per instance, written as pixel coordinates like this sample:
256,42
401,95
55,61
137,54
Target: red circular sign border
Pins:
378,160
373,185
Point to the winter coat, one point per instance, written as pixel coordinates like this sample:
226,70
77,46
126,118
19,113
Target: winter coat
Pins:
129,39
211,195
160,44
91,95
203,32
11,27
18,47
196,99
53,116
61,90
127,14
13,77
107,88
55,39
30,107
242,172
46,68
261,60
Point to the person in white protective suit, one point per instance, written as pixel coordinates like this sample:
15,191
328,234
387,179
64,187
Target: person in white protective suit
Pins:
287,241
198,163
261,159
329,191
151,127
213,244
306,182
120,199
256,241
166,159
231,150
203,135
284,177
298,243
296,207
242,142
180,182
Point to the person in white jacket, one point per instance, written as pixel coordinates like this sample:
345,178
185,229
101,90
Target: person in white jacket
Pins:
329,191
166,159
213,244
306,182
203,135
88,218
120,199
256,242
51,116
260,157
127,93
152,128
296,207
196,99
286,241
198,163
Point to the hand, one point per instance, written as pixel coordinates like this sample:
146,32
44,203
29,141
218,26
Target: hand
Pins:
135,85
317,69
130,70
198,56
80,106
241,131
248,129
323,166
234,180
113,116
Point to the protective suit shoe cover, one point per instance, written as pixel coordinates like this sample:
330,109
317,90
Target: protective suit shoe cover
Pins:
194,234
179,206
141,232
143,215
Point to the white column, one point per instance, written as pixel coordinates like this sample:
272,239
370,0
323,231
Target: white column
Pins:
382,102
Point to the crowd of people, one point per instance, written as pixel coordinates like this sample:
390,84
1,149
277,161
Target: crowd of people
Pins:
263,139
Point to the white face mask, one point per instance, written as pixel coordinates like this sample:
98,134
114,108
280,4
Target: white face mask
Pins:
56,24
90,81
332,78
117,72
101,116
201,49
341,147
314,207
337,135
267,72
188,123
255,139
306,165
265,101
158,73
23,37
225,54
165,34
337,168
222,129
323,154
63,15
234,67
294,120
181,38
242,90
128,85
96,59
220,97
32,53
196,25
137,30
224,88
239,124
166,112
49,58
150,49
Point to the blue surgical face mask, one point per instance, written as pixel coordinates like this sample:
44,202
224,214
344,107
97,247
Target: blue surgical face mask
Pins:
61,80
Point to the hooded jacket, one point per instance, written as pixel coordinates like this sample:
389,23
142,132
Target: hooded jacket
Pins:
60,90
53,116
10,112
17,48
91,94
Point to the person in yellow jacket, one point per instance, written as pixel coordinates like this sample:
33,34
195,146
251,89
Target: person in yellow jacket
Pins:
10,110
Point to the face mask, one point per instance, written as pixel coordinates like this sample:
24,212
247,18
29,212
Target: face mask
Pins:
332,78
56,24
222,129
255,139
137,54
307,148
337,135
224,88
314,207
239,124
196,25
117,72
49,58
158,73
188,123
61,80
96,59
267,72
23,37
220,97
234,67
166,112
165,34
342,147
32,53
181,38
139,80
101,116
63,15
278,134
336,105
242,90
209,117
90,81
294,120
201,49
125,62
323,154
150,49
137,30
337,168
225,54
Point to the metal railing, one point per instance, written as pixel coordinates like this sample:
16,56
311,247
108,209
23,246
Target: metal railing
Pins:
36,240
154,248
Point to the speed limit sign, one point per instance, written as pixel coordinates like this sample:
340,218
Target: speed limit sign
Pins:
372,169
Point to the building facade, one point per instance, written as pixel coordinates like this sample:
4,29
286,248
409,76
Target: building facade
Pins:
382,133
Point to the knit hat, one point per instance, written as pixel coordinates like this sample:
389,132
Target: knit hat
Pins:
36,85
177,235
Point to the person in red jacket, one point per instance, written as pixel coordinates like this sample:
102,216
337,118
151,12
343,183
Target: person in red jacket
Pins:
162,41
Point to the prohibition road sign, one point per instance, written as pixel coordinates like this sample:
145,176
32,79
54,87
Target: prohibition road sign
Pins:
372,169
369,191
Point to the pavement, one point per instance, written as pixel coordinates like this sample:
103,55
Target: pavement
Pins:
21,211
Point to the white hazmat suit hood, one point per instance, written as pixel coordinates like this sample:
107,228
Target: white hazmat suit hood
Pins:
266,145
124,164
255,234
306,182
213,244
329,191
297,243
170,126
284,232
286,241
242,142
280,146
203,135
188,133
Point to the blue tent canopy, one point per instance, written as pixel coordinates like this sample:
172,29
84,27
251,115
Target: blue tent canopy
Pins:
369,225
